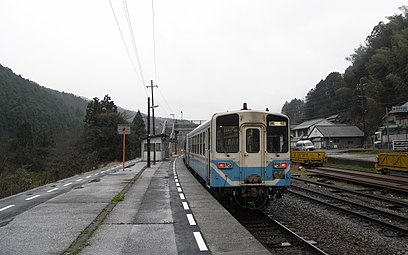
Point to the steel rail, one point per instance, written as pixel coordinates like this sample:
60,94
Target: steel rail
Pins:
312,248
387,214
379,198
362,179
398,229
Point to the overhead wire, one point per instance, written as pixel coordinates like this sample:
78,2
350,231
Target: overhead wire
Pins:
164,99
139,72
154,44
124,43
127,50
170,110
133,40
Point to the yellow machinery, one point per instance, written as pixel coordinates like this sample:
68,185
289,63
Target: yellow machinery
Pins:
310,158
393,161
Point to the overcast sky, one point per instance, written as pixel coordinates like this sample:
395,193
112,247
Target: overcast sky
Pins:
211,55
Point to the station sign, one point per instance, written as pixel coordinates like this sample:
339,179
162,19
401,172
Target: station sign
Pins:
123,129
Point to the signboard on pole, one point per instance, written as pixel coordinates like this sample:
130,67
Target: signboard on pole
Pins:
123,129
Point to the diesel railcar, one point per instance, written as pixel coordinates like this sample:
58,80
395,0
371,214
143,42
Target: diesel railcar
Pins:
242,156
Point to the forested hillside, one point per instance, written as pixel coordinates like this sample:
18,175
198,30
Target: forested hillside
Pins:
61,115
376,79
46,135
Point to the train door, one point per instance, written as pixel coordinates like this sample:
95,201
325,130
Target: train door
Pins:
208,155
252,154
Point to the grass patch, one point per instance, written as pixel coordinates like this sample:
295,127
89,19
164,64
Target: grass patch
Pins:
118,198
351,167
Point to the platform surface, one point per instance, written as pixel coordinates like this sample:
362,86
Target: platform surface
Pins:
165,211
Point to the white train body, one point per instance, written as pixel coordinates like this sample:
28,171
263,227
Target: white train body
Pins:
242,155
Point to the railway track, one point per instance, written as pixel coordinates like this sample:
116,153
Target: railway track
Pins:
397,225
376,180
274,235
396,203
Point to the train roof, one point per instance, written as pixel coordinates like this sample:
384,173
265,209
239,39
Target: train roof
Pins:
207,123
248,110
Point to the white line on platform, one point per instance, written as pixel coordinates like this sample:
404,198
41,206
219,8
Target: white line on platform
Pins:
200,241
182,196
191,219
178,184
67,184
179,189
79,180
29,198
51,190
89,176
5,208
185,206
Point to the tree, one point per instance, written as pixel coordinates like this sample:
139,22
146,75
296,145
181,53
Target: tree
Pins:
294,110
138,133
321,101
100,140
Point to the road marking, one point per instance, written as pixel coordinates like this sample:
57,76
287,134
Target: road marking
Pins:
200,241
182,196
89,176
179,189
178,184
185,206
102,171
27,199
79,180
96,173
67,184
176,180
5,208
191,219
51,190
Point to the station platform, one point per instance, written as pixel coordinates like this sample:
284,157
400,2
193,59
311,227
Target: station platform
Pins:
164,211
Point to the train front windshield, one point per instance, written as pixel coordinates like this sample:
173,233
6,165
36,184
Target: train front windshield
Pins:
228,133
277,134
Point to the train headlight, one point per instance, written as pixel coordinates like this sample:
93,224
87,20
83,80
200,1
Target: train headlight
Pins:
280,165
224,165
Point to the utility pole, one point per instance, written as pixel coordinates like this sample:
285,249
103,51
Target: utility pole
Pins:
154,126
148,132
388,133
363,108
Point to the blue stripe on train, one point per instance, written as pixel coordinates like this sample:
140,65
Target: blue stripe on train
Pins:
234,173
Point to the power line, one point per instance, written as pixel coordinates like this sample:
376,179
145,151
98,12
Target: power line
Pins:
133,40
154,44
165,101
127,50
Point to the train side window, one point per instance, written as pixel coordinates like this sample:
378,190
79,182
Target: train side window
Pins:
227,133
204,143
252,140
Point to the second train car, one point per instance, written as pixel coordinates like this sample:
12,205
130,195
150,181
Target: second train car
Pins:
242,156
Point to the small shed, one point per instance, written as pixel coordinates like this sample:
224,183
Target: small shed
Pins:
336,137
159,147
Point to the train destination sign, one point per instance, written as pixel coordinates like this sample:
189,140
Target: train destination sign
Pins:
277,123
